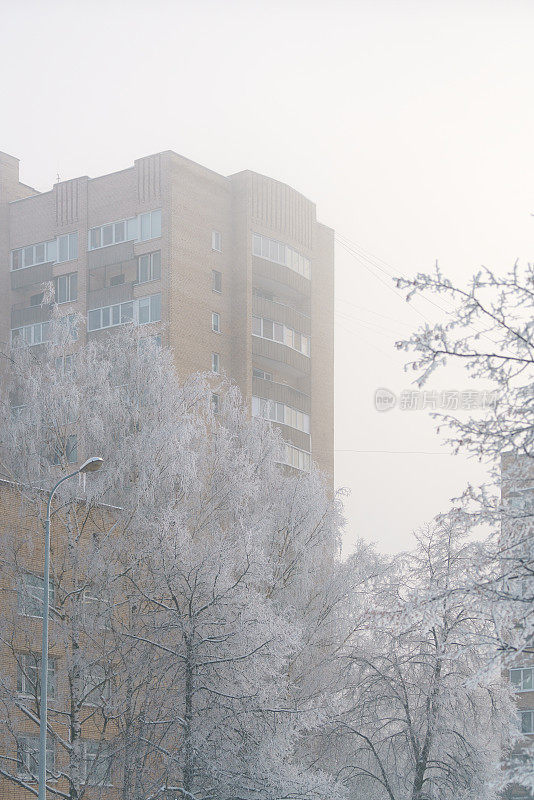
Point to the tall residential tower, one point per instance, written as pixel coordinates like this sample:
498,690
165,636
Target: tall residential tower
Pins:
235,273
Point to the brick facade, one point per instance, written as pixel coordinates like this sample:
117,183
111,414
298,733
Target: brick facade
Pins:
194,202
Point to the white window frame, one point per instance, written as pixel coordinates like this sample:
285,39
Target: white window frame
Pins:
216,322
280,253
28,752
95,679
216,403
155,340
27,601
28,333
216,241
65,364
102,745
154,266
36,300
275,411
289,335
527,713
28,664
103,620
115,311
71,285
256,374
216,277
70,451
71,448
216,363
297,458
51,251
132,229
34,334
520,687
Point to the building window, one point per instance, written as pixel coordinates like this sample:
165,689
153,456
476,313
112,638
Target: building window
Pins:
65,364
36,299
280,412
66,288
215,363
280,253
97,686
68,451
268,329
138,312
299,459
96,612
62,248
215,403
29,675
30,595
216,241
97,763
216,280
117,280
260,373
522,679
135,229
39,332
215,322
149,267
527,722
28,756
31,334
71,448
148,341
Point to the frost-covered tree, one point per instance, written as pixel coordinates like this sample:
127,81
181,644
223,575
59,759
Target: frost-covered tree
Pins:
489,329
421,715
175,622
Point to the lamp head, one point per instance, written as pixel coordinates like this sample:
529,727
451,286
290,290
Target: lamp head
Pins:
92,464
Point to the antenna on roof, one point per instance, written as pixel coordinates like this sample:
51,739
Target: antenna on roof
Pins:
58,178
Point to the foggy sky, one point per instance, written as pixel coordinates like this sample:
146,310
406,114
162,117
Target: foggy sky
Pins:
410,124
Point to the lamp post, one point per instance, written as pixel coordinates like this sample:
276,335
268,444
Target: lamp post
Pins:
91,465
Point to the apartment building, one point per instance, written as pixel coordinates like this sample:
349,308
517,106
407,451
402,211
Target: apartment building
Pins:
79,619
234,273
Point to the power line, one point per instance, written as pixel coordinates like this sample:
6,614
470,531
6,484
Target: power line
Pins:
360,254
362,263
396,452
372,311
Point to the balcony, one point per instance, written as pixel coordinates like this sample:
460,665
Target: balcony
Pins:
281,393
278,312
272,276
114,254
21,314
288,361
110,295
31,276
295,437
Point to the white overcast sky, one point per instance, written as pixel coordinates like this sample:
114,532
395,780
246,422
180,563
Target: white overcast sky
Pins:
410,124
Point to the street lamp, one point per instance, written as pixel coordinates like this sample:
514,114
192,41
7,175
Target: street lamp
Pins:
91,465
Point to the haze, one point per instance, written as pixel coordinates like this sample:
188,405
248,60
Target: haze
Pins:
410,124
